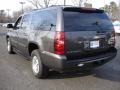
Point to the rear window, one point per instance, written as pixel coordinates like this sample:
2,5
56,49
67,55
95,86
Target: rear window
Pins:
81,21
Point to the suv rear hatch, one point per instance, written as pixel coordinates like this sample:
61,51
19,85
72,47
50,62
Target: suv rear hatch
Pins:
88,32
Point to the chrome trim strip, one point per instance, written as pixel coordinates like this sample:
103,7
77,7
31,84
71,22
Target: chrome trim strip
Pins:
99,59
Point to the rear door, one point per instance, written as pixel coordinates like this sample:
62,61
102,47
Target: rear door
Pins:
23,34
14,34
87,32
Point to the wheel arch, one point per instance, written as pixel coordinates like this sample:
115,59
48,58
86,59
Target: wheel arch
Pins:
7,36
32,46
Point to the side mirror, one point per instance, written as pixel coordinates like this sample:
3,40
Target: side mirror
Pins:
9,26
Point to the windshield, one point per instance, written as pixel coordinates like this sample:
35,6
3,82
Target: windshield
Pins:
76,21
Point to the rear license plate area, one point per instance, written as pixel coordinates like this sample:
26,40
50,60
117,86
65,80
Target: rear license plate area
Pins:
94,44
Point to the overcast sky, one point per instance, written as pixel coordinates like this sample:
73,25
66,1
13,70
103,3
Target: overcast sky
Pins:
14,5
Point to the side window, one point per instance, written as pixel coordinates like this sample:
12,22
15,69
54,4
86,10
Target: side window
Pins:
36,21
48,19
45,24
25,21
43,20
18,23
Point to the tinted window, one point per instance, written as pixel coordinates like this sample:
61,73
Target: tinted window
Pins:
77,21
42,20
25,21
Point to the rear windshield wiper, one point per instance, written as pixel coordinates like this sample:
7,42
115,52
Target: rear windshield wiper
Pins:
97,24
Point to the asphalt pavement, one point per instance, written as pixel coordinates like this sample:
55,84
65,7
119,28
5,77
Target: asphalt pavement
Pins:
16,74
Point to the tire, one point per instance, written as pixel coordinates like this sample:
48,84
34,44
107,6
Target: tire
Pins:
38,68
9,47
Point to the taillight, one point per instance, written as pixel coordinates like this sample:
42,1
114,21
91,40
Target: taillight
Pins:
112,40
59,43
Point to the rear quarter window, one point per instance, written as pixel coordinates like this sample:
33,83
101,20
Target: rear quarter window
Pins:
42,20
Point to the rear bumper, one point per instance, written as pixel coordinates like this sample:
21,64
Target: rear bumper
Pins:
60,63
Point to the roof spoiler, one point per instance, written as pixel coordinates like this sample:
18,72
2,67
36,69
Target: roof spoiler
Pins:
83,10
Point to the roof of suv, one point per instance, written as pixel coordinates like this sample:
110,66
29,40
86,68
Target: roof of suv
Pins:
68,8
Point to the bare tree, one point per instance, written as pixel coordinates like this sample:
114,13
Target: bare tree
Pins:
79,2
3,16
28,8
16,14
40,3
46,2
112,10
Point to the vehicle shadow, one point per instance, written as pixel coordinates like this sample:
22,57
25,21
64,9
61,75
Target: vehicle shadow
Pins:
57,75
108,75
110,71
103,72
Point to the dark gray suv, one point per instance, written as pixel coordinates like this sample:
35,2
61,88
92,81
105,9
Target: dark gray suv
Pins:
63,39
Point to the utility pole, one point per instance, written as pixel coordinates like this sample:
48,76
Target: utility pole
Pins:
119,10
22,3
8,14
64,2
82,2
119,3
1,15
104,4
